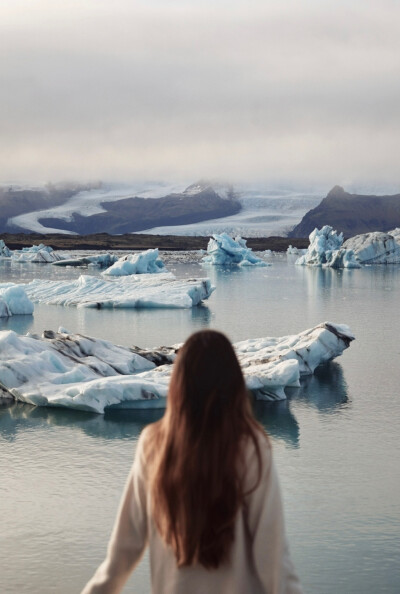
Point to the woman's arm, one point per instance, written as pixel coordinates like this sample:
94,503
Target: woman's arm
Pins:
271,556
129,536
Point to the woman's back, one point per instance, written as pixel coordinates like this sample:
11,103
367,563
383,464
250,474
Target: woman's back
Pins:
203,490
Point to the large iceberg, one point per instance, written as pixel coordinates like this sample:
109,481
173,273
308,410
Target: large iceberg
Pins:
42,254
4,251
147,262
99,260
14,301
79,372
326,250
376,247
223,249
135,291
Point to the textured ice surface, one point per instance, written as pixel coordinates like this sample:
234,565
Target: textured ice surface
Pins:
135,291
291,250
14,301
376,247
326,250
222,249
4,251
79,372
37,253
147,262
100,260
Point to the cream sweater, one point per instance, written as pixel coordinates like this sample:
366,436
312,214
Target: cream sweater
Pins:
259,561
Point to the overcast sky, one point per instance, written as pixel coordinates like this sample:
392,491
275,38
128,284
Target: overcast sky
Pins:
240,90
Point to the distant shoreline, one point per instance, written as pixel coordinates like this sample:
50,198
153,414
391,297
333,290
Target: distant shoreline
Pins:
104,242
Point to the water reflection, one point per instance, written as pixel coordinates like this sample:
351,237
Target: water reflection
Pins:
326,390
278,420
20,324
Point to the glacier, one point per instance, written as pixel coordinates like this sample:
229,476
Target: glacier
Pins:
79,372
136,291
147,262
14,301
224,250
326,250
376,247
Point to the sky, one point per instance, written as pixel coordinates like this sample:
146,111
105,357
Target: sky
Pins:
246,90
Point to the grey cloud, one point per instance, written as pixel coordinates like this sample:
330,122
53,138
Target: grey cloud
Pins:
308,90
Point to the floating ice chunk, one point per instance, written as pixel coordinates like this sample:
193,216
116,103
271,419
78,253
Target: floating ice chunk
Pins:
376,247
90,374
294,251
4,251
100,260
326,250
37,253
146,262
135,291
223,249
16,299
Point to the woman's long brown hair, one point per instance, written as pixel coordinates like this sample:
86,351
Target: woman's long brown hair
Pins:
196,486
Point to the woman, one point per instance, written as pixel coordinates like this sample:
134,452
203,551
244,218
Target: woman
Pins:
203,490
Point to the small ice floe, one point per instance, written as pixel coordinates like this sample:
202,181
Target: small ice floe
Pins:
147,262
135,291
326,250
376,247
99,260
223,249
4,251
14,301
79,372
294,251
42,254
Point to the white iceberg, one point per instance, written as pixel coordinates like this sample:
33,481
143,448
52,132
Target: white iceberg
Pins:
135,291
90,374
223,249
376,247
5,252
42,254
14,301
326,250
147,262
99,260
294,251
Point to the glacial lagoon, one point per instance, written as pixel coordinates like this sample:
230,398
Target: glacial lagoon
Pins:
335,438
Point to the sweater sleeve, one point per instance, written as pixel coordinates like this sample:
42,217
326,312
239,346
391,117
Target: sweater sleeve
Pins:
271,556
129,536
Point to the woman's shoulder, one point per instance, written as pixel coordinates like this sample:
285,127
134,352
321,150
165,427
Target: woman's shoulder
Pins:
257,455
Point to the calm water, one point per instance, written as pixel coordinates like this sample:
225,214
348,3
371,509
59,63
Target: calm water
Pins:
336,439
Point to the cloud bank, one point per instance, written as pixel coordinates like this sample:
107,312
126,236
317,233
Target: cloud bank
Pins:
249,90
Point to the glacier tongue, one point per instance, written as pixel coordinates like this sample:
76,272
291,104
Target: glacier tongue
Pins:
79,372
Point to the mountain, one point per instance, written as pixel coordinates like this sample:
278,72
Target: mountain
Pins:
88,212
351,214
15,201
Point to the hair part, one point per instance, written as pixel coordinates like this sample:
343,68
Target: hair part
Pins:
196,486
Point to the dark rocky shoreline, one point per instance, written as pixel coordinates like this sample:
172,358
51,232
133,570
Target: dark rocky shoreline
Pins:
104,242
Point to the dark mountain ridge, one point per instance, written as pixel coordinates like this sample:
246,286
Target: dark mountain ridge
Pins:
351,214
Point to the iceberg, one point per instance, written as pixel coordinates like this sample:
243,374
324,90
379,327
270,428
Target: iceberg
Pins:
135,291
100,260
42,254
222,249
146,262
294,251
83,373
14,301
4,251
326,250
376,247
